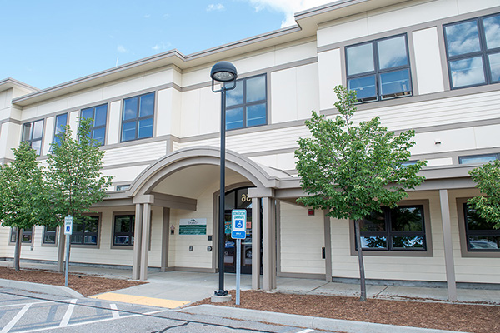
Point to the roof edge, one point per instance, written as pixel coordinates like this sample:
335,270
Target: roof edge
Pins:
11,82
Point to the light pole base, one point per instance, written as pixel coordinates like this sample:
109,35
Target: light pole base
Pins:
221,299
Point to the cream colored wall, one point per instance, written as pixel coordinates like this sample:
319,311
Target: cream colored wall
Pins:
329,75
10,134
429,72
301,239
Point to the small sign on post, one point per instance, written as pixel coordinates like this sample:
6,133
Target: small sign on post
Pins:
239,232
68,225
68,231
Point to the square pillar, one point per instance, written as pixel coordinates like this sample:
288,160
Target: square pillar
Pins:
146,225
164,239
448,246
328,246
256,242
269,244
137,242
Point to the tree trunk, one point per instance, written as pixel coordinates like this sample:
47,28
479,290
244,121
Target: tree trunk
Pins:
360,262
17,249
60,249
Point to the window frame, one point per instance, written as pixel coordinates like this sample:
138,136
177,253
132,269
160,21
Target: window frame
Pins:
244,105
93,128
483,53
129,247
54,136
130,234
45,232
427,252
138,118
377,71
13,235
463,235
461,158
30,140
98,236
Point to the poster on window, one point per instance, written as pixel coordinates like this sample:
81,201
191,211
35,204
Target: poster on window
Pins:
196,226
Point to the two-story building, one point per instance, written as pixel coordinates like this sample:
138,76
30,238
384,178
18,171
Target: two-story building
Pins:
428,65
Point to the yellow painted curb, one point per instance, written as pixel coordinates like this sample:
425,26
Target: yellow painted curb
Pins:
142,300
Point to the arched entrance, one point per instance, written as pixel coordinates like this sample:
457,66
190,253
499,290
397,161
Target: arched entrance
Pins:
238,199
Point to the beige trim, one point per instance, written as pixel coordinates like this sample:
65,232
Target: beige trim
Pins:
448,246
402,253
146,232
303,276
136,268
463,236
165,238
256,243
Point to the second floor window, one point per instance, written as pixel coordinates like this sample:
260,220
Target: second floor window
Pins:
379,70
61,122
473,50
138,116
99,115
246,104
33,134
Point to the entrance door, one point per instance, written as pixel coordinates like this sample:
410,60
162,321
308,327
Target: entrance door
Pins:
238,199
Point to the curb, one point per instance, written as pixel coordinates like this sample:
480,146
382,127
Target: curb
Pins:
41,288
306,321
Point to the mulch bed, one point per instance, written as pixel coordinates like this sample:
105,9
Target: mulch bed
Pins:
435,315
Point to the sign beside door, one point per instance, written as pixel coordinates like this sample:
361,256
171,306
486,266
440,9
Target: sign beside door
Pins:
239,224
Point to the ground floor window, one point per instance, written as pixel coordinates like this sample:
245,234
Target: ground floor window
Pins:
85,230
481,234
27,236
123,230
49,235
394,229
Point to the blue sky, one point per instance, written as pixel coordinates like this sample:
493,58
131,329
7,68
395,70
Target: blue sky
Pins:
49,42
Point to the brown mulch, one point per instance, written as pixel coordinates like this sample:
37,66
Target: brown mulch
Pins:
475,318
86,285
436,315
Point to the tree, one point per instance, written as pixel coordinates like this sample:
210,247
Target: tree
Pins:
22,195
487,177
351,171
74,175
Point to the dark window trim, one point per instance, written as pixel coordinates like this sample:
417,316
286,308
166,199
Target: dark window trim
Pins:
56,233
92,128
132,233
30,140
245,104
138,118
376,72
129,247
483,53
462,231
25,232
99,224
428,252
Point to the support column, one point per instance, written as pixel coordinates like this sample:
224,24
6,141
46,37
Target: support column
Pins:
269,248
448,246
273,244
256,242
328,246
164,239
137,242
146,225
61,241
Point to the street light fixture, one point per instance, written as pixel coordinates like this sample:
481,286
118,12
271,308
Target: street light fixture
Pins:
225,73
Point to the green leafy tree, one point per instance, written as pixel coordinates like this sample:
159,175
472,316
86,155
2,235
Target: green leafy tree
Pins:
487,177
74,175
352,170
22,195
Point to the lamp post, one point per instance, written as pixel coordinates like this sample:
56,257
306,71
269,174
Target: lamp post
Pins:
225,73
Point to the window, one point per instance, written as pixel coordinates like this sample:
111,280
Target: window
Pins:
246,104
99,115
476,159
49,235
481,235
123,230
61,122
27,236
473,49
122,187
33,134
379,70
85,231
137,121
397,229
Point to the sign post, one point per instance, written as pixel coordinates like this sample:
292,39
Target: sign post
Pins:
68,231
239,232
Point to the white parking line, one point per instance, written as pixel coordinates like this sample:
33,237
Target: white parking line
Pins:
69,312
116,314
306,331
14,320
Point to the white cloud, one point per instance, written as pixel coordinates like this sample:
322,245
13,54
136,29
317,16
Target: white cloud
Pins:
287,7
161,46
121,49
218,7
147,16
